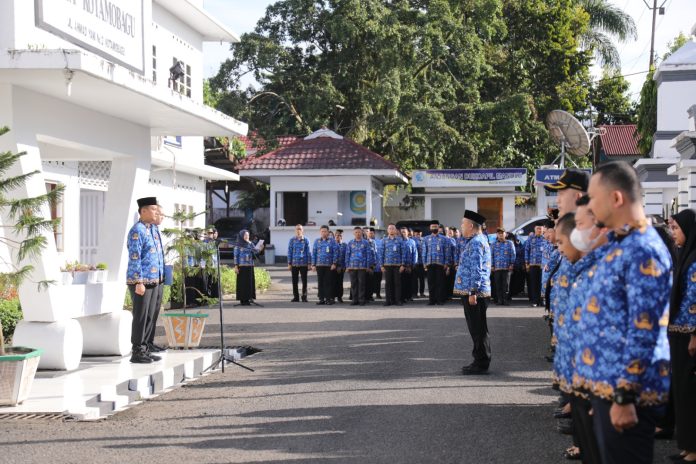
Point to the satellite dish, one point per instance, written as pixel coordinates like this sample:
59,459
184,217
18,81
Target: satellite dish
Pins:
568,133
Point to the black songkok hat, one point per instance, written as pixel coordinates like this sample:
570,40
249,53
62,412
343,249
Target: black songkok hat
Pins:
147,201
474,217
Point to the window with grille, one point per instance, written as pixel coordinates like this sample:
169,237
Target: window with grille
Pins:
56,213
154,64
183,84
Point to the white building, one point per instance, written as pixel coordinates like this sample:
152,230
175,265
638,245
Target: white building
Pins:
85,88
676,93
322,179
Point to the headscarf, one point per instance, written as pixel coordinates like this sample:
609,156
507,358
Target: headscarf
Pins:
685,257
241,243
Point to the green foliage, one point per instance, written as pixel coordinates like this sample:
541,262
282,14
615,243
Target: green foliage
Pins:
606,21
260,197
438,84
262,279
610,99
10,315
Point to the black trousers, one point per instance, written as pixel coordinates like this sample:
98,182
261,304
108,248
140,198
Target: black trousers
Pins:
534,284
436,284
478,329
419,274
392,284
358,284
583,430
152,328
338,283
405,285
325,283
684,388
144,309
449,289
632,446
502,286
297,272
376,281
517,281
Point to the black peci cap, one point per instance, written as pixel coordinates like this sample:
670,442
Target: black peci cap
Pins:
570,179
147,201
474,217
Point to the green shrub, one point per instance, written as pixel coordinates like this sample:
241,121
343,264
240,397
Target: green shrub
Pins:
229,280
262,278
128,303
10,315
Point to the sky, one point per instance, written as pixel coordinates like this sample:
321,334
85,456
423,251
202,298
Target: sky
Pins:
680,15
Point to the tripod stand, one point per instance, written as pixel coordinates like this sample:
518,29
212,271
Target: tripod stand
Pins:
223,356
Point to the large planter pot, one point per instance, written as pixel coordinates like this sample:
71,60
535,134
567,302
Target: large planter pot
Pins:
184,330
80,277
17,369
97,277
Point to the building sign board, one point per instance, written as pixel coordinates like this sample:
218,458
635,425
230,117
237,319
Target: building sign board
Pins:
504,177
110,28
550,176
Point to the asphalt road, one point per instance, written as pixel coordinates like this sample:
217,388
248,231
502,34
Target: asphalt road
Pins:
335,384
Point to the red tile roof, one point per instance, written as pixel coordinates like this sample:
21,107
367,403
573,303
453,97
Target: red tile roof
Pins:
319,153
619,140
255,143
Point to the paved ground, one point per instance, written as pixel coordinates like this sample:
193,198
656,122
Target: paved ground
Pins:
335,384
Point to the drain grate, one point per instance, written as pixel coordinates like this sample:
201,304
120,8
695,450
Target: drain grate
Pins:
35,417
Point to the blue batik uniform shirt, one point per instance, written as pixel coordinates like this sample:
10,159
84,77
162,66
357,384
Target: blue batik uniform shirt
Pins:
534,250
376,249
459,249
244,255
519,255
685,320
474,272
419,248
145,256
551,259
359,255
392,252
622,333
503,255
299,253
341,261
325,252
436,250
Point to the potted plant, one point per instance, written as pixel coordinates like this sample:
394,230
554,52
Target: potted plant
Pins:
102,272
96,274
66,273
18,364
80,273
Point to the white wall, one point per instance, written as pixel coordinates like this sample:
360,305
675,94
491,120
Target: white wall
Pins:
322,206
190,191
65,173
674,98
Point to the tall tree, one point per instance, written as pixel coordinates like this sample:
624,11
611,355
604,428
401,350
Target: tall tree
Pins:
607,21
609,97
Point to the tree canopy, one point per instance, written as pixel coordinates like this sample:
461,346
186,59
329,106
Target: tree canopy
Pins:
427,84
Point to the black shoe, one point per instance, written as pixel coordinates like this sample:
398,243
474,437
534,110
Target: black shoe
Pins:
664,434
560,414
354,303
565,427
329,302
363,303
399,304
295,300
154,357
379,297
321,302
304,298
152,348
474,370
422,295
140,358
431,303
387,304
572,455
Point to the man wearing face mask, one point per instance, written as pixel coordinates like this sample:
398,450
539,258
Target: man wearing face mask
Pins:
621,348
436,251
473,284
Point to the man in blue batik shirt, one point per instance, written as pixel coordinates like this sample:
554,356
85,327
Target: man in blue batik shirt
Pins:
503,256
622,353
360,261
299,259
144,276
533,253
473,284
436,249
324,259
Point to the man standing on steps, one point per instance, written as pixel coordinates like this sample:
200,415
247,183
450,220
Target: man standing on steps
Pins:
299,258
324,259
152,326
473,284
144,275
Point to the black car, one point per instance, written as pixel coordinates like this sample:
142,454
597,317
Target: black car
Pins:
421,224
228,230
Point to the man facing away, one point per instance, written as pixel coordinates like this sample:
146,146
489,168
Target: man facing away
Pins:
144,276
299,258
533,255
391,257
473,284
436,249
503,256
324,259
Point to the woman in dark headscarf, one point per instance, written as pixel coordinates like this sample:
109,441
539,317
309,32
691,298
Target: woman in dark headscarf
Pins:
682,332
244,255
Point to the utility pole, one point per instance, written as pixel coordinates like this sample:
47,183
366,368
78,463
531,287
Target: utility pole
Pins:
655,9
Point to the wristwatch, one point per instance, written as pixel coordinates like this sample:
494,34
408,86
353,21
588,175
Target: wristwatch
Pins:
623,397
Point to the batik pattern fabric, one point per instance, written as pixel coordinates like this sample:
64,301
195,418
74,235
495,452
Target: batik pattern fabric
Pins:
419,247
145,256
474,271
551,260
451,255
244,255
569,287
299,253
341,260
622,332
503,255
685,320
324,252
534,250
410,252
359,255
392,252
436,250
459,249
376,249
519,255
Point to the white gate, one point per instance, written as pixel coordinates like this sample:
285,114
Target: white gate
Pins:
91,212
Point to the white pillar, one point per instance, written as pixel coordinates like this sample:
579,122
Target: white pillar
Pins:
428,214
470,203
274,219
509,212
653,201
368,201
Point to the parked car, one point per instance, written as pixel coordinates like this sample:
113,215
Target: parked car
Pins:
228,229
523,230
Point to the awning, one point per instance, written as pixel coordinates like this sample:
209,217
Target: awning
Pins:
167,161
199,20
102,86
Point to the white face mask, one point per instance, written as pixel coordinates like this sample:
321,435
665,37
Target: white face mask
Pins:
581,239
